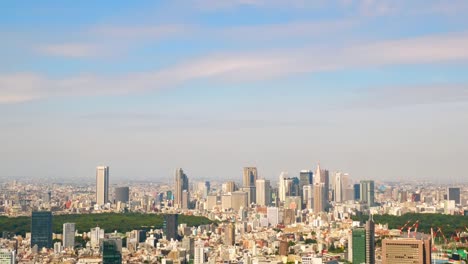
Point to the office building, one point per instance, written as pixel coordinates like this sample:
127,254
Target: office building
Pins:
239,199
308,196
230,235
171,222
68,236
406,251
367,192
122,194
357,192
96,236
453,194
322,176
181,185
273,216
229,186
283,186
41,229
263,192
188,243
319,197
102,185
370,241
338,187
111,251
250,176
185,200
359,245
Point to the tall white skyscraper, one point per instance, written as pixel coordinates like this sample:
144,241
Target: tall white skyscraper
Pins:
68,235
102,185
263,192
282,187
338,187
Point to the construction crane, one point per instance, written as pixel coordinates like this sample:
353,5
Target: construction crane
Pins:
415,225
403,227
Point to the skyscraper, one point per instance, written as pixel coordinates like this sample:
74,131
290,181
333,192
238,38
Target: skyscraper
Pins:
357,192
170,226
230,235
319,197
370,241
250,176
308,194
181,185
102,185
453,193
111,251
68,236
322,176
338,187
283,186
359,245
122,194
263,192
367,192
41,229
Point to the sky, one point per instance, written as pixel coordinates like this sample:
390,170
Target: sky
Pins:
374,88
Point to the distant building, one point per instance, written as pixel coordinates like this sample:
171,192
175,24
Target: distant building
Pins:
111,253
230,235
338,187
263,192
96,236
308,196
273,216
181,185
122,194
453,194
68,236
170,226
250,176
319,197
283,248
41,229
406,251
367,192
370,241
229,186
199,257
323,176
102,185
357,192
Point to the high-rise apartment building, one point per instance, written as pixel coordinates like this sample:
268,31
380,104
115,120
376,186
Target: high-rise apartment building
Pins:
171,222
102,185
263,192
199,257
122,194
181,185
250,176
453,194
68,236
41,229
406,251
367,192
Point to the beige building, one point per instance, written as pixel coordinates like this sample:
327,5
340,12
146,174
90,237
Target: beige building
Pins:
406,250
102,185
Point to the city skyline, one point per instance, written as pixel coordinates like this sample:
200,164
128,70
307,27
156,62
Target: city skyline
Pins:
377,89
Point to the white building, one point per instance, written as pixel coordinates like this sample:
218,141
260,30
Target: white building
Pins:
102,185
199,254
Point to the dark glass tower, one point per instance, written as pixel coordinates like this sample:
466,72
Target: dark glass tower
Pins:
110,252
170,226
41,229
359,245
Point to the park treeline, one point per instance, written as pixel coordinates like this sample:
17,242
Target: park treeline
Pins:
110,222
449,224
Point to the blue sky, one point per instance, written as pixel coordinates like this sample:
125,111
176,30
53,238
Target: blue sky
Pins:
378,89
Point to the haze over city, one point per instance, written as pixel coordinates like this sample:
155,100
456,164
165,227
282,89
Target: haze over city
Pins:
377,89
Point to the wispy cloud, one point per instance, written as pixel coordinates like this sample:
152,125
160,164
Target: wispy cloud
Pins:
241,67
73,50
